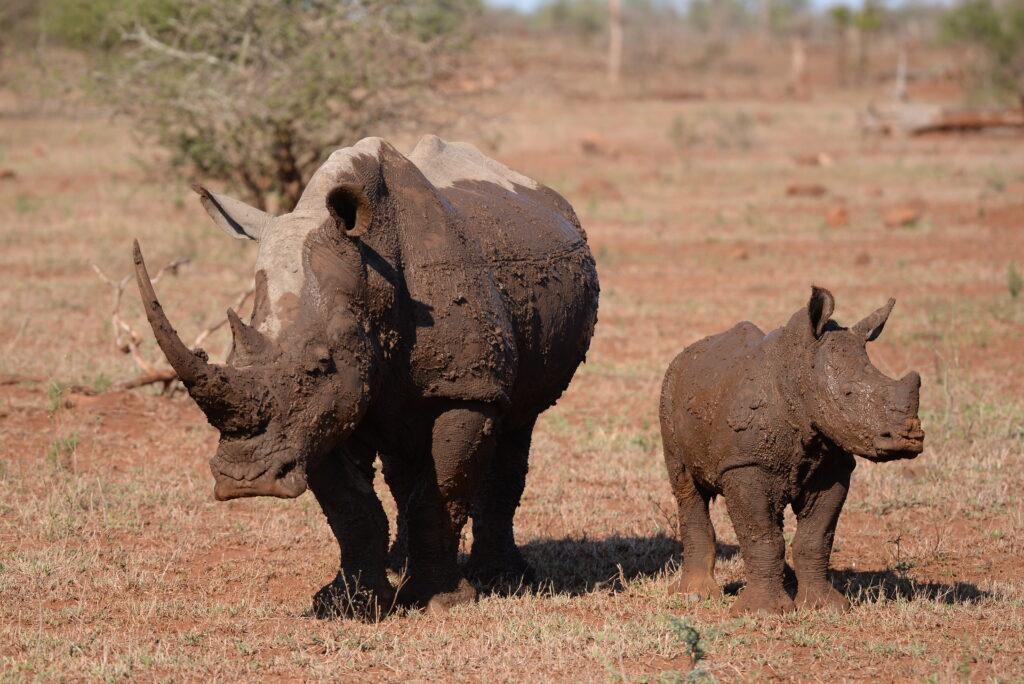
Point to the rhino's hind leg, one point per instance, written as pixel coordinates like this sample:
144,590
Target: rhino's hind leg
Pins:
817,513
495,556
343,485
696,580
756,512
462,443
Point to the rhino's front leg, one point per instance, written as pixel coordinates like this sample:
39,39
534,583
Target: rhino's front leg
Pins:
755,502
462,442
343,485
817,512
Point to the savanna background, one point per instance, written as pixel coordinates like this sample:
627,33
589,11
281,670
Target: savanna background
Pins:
722,155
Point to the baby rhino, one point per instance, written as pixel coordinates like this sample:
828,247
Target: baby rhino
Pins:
776,419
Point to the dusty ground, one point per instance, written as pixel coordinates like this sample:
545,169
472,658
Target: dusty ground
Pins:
115,562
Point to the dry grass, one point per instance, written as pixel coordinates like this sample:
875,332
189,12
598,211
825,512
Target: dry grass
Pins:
115,562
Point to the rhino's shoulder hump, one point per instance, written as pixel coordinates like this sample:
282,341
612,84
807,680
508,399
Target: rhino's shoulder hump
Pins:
445,164
738,341
717,362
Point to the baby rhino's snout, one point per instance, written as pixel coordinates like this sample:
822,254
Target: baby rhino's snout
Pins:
906,438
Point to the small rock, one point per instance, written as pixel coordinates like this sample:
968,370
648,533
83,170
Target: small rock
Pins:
739,253
903,215
7,174
805,190
592,143
863,259
837,216
601,189
819,159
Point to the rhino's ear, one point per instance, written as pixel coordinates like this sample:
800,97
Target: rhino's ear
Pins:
820,309
871,327
351,207
235,218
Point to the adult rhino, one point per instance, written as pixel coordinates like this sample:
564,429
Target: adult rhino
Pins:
423,310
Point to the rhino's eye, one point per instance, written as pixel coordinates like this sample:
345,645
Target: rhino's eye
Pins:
323,365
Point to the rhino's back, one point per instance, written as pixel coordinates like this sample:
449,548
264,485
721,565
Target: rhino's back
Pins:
510,217
529,241
704,393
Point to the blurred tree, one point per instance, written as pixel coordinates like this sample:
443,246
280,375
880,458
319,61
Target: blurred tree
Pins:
997,32
842,19
614,41
256,93
868,21
15,17
585,19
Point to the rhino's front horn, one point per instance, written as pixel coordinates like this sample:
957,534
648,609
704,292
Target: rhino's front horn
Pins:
220,394
191,367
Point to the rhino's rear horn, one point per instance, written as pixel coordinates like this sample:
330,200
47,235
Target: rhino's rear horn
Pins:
249,342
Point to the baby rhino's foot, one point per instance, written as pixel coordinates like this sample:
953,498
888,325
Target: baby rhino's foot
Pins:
442,603
821,596
754,599
695,587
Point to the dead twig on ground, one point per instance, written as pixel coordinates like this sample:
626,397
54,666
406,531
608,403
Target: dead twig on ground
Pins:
127,339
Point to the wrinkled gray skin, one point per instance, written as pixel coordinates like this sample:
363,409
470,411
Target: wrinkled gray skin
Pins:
774,420
421,309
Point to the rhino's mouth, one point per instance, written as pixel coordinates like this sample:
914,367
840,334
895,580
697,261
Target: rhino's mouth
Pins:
907,443
285,480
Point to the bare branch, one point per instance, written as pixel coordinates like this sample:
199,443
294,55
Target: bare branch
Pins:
127,339
139,35
218,323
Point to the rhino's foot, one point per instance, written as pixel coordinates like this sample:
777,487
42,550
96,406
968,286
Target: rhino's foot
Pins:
695,587
341,599
821,596
754,599
506,568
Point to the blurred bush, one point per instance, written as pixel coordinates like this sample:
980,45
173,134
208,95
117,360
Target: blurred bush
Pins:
584,19
256,93
996,31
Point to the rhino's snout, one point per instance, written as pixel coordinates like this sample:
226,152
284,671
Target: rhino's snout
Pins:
907,442
284,479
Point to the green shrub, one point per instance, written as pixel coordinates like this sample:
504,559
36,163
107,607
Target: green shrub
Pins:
257,93
997,31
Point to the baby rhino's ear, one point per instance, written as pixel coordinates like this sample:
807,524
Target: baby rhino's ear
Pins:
871,327
234,217
820,309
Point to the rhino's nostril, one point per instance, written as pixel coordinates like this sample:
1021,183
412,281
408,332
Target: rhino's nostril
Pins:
886,435
283,471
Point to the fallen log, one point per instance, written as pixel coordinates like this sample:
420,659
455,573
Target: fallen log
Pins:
922,119
972,120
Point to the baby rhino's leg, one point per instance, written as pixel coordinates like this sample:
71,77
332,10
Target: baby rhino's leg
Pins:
817,512
696,580
757,517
